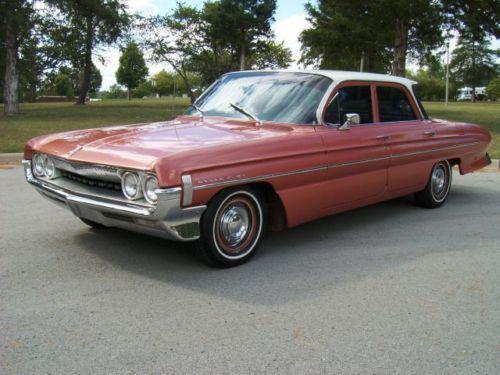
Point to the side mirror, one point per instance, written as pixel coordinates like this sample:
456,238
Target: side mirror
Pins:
350,120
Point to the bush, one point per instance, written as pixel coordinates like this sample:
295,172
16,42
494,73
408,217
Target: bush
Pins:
493,89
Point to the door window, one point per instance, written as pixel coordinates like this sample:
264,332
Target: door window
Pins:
351,99
394,105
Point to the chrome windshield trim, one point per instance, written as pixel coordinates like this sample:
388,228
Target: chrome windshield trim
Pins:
325,167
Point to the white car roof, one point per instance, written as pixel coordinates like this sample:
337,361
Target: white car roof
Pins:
338,76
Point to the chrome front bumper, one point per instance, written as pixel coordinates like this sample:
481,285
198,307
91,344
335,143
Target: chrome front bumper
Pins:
167,219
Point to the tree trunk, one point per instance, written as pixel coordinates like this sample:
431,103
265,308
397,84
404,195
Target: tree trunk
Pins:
474,73
11,79
242,58
400,48
87,69
189,90
128,93
242,52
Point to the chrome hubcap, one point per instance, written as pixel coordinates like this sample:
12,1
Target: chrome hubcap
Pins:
234,224
438,181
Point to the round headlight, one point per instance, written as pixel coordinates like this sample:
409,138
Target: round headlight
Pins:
49,168
38,165
150,185
131,185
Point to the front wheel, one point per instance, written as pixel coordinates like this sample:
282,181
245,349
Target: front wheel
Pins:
438,186
232,227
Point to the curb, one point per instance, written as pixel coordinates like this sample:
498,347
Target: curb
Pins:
16,158
13,158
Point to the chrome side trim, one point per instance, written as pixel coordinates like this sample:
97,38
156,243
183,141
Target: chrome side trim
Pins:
259,178
325,167
187,190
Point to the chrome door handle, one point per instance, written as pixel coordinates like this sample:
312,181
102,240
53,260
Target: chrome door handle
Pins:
430,134
384,137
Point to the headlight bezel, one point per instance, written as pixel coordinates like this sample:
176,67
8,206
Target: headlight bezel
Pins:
49,172
150,178
37,168
139,191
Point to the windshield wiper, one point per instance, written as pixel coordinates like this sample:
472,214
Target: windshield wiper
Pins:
202,113
246,113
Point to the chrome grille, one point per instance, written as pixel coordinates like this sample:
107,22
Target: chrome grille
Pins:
91,181
92,172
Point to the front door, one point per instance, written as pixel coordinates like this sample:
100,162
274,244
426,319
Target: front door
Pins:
357,158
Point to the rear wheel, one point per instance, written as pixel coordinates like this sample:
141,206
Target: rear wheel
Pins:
232,227
438,186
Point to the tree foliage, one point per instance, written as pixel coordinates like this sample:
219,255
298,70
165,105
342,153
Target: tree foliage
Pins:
493,89
132,69
383,33
473,62
84,27
210,42
239,24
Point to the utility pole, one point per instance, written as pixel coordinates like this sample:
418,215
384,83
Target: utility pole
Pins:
447,73
173,98
362,62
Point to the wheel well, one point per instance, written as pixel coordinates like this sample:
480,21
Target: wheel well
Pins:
454,162
277,215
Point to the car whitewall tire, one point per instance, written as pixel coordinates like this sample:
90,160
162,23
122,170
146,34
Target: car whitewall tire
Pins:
232,227
438,187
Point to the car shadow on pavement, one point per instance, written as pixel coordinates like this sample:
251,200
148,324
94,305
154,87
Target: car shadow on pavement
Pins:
294,264
300,262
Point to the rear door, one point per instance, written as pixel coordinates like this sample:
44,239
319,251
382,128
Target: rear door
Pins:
410,137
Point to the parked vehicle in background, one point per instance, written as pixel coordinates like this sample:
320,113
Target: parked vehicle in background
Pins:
258,150
465,93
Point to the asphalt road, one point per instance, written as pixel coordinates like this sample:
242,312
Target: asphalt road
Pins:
390,288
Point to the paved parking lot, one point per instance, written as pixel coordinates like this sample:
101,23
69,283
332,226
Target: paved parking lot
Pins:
390,288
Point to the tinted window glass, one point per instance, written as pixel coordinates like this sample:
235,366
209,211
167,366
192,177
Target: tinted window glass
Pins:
281,97
394,105
352,99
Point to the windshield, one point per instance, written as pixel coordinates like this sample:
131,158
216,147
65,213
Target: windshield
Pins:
269,96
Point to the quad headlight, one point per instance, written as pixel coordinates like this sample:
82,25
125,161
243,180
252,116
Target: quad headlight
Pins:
49,168
38,165
44,166
150,187
131,185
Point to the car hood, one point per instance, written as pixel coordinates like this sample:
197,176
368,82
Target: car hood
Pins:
146,146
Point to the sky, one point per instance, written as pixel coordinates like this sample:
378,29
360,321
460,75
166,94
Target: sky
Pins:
290,21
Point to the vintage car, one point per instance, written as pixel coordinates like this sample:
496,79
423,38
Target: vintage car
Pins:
258,150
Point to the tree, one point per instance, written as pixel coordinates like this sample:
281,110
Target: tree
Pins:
132,70
473,62
114,92
86,25
16,21
493,89
63,85
144,88
240,24
163,83
476,21
175,39
383,33
270,55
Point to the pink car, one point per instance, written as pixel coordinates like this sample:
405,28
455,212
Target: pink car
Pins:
258,150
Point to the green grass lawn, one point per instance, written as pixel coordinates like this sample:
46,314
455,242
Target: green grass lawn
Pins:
483,113
42,118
